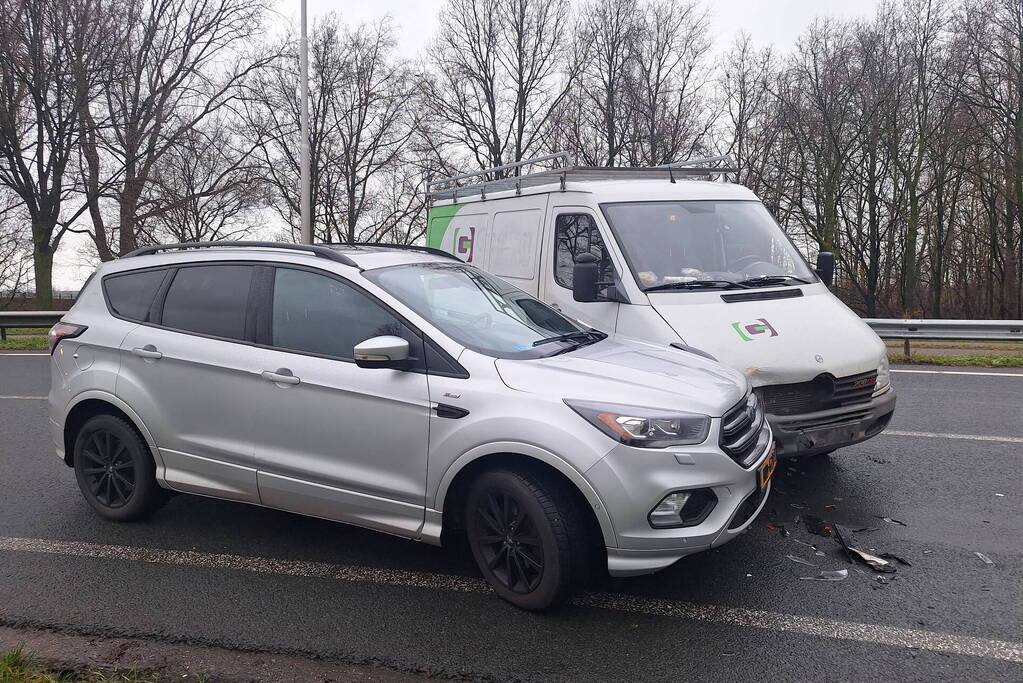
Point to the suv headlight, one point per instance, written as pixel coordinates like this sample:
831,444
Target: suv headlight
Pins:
884,376
644,427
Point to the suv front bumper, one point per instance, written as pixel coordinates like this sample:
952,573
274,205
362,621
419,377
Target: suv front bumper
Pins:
631,481
826,430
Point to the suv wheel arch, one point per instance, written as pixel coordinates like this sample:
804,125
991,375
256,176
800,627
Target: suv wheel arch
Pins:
93,403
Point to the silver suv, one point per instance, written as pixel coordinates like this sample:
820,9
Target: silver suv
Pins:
405,391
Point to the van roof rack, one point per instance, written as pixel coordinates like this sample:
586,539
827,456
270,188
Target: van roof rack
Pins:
394,245
314,249
451,188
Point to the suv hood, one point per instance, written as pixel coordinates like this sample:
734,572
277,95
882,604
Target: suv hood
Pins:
630,373
798,338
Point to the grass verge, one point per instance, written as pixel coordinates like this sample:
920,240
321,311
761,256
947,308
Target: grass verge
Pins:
976,360
18,667
23,344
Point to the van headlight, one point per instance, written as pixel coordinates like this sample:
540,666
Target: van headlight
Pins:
884,376
644,427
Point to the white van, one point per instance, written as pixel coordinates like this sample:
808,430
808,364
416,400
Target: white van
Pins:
655,255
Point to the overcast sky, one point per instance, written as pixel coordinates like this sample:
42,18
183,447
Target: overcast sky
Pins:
769,22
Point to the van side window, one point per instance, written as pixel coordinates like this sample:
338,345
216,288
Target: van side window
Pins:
574,234
319,314
209,300
131,295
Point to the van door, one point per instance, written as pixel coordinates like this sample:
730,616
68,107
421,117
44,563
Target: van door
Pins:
513,250
572,230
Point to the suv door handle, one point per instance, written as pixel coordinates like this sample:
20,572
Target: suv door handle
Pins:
281,376
148,351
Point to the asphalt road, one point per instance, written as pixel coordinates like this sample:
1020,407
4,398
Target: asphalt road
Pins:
228,574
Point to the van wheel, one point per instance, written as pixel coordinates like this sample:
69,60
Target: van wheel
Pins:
115,470
527,536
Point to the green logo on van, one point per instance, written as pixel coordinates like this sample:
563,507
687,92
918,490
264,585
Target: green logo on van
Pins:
748,331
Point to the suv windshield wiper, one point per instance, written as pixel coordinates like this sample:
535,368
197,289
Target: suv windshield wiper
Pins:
763,280
698,284
579,337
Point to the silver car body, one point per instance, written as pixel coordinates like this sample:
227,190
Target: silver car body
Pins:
368,447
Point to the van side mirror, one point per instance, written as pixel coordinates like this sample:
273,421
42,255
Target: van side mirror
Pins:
383,352
584,278
826,267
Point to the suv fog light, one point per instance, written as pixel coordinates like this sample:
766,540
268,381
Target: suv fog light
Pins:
682,508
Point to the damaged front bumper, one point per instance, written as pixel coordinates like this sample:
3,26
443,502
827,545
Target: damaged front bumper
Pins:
824,431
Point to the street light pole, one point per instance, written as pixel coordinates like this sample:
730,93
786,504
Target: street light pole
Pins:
306,198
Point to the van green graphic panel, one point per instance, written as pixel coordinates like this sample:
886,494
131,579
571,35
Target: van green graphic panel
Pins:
438,220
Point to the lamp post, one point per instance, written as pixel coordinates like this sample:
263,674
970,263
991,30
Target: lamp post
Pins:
304,171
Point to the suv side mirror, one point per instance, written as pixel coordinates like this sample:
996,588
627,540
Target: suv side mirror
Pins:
383,352
584,278
826,267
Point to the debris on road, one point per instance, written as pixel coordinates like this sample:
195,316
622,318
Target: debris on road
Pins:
779,528
892,521
837,575
984,558
893,556
816,525
800,560
878,564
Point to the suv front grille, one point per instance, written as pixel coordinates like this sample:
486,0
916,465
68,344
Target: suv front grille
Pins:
740,430
821,393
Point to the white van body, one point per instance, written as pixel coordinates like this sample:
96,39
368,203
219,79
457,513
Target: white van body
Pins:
821,371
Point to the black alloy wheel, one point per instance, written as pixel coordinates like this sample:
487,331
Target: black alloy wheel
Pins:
529,536
108,468
115,469
510,543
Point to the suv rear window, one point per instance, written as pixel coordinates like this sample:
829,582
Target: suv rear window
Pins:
209,300
131,295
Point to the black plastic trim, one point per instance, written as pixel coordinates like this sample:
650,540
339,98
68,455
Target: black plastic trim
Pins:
791,293
451,412
394,245
691,349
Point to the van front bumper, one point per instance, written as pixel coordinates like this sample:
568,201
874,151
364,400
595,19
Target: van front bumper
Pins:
825,430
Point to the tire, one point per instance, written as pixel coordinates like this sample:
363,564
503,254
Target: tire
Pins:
115,470
528,536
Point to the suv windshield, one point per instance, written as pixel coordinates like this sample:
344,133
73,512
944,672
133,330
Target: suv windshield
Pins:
721,244
480,311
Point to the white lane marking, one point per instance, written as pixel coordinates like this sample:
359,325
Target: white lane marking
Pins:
25,398
730,616
965,437
23,354
961,372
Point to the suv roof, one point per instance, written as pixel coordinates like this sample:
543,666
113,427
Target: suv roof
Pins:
357,255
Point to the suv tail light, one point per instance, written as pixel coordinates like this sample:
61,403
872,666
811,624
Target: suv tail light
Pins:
63,331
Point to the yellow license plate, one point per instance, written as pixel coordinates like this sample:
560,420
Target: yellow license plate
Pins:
767,468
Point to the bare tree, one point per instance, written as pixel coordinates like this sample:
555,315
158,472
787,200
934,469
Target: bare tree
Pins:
15,253
175,63
497,76
49,57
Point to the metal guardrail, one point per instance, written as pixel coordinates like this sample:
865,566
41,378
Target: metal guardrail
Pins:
35,319
965,330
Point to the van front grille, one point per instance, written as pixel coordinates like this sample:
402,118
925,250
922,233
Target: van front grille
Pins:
740,430
823,392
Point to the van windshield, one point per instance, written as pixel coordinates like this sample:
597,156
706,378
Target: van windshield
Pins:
705,244
482,312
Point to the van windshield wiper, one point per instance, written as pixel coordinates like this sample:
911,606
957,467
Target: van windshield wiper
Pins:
698,284
766,280
579,337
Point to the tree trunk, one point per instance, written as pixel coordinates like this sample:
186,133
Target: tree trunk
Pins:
42,260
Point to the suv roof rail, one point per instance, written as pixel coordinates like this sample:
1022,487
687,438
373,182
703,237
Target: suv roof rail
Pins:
314,249
394,245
